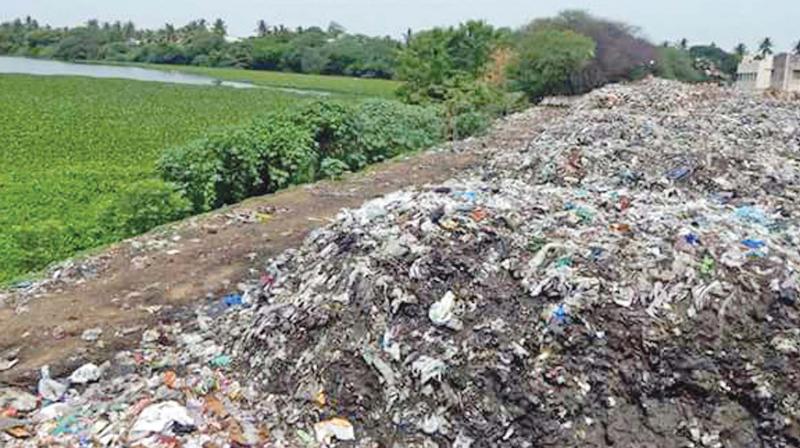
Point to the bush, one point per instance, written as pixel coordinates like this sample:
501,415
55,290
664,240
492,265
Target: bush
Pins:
471,123
385,129
286,149
37,244
332,168
144,205
230,165
317,140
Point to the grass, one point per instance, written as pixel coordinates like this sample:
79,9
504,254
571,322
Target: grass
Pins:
69,144
334,84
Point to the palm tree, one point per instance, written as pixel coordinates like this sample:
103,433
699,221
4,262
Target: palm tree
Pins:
263,30
740,50
219,27
765,48
169,33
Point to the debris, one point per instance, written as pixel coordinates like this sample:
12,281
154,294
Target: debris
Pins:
87,373
92,334
50,389
441,313
335,428
17,399
161,418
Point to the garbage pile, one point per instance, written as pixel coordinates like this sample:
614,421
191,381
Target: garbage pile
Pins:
628,277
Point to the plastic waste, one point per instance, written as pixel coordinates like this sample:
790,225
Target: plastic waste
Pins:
87,373
233,300
48,388
18,399
159,419
334,428
92,334
441,313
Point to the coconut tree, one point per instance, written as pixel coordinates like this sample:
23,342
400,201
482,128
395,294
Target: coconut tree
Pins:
740,50
765,48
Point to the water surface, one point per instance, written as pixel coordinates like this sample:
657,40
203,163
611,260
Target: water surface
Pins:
46,67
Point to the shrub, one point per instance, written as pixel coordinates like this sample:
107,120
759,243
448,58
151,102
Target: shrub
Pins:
387,128
36,244
286,150
144,205
332,168
471,123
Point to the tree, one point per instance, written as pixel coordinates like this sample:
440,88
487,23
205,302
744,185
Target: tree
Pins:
675,63
765,48
547,58
740,51
441,56
797,48
129,30
262,29
219,27
684,44
621,53
169,33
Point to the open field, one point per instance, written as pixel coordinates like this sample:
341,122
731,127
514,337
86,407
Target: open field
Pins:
334,84
70,144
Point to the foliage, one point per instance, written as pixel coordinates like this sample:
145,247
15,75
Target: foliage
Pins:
70,146
675,63
765,48
332,168
308,142
310,50
471,123
142,206
433,58
546,58
620,53
721,59
384,129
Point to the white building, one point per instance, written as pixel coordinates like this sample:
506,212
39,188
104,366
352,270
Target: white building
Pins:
779,72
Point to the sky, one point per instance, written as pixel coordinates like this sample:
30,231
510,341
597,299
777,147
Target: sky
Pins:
724,22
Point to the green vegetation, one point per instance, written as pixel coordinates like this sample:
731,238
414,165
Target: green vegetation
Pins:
297,145
676,63
72,147
548,57
333,84
302,50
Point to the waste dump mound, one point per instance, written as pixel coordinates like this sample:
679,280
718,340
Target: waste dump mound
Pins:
627,278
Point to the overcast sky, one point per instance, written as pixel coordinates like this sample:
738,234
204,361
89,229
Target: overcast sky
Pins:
725,22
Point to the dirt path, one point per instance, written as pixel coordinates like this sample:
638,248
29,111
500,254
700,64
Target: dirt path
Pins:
152,278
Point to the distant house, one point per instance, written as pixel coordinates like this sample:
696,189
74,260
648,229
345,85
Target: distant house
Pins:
779,72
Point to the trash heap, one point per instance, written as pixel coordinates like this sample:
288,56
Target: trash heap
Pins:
626,277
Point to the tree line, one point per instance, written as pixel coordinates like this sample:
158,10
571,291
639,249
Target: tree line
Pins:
472,69
315,50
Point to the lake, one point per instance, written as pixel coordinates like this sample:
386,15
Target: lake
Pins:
45,67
